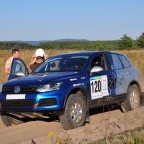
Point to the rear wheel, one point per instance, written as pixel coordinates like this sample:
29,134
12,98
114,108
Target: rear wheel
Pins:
9,121
75,112
132,100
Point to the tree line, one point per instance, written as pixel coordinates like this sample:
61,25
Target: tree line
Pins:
6,45
125,42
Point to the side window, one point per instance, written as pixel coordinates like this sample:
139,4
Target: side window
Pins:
124,61
98,61
114,62
54,65
18,66
49,66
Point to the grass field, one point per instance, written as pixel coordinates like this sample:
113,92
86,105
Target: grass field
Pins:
136,56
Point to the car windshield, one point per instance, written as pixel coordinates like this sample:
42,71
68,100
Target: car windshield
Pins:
63,63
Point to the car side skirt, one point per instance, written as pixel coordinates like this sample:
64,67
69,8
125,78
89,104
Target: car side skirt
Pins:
107,100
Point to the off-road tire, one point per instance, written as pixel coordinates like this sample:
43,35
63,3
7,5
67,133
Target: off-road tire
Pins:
9,121
133,99
75,105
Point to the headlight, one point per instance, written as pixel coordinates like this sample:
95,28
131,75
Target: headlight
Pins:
49,87
0,88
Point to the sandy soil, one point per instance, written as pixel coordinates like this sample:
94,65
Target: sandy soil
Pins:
101,125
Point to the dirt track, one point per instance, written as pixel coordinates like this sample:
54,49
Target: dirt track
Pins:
101,125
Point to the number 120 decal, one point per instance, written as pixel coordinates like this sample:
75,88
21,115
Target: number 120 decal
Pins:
99,86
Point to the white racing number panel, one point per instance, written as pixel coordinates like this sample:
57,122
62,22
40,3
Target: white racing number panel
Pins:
15,96
99,86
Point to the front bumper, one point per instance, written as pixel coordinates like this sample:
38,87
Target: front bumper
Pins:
32,102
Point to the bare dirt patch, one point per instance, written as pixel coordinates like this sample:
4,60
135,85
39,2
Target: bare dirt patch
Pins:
101,125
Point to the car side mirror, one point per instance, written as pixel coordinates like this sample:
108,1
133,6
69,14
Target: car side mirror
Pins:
96,69
20,73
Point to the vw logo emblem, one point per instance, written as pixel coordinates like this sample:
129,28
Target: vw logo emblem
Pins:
17,89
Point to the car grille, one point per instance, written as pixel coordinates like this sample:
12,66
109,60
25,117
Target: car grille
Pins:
17,103
23,89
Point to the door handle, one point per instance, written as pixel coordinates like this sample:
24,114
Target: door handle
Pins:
127,73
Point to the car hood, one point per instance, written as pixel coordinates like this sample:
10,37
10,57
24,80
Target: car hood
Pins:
40,78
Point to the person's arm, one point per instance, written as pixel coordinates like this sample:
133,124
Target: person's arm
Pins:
7,67
7,71
33,60
45,56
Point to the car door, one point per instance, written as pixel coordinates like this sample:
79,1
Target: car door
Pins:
116,68
18,69
102,83
128,71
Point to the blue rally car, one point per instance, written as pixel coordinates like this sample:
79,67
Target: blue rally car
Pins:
68,85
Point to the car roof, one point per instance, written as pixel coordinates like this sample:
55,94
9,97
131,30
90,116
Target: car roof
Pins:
87,53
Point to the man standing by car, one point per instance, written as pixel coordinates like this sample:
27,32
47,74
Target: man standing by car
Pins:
15,54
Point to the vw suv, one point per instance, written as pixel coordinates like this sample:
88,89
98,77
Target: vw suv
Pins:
68,85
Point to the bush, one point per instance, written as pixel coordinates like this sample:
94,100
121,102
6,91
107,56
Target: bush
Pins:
126,42
140,41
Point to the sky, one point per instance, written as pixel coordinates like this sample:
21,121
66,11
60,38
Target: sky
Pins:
34,20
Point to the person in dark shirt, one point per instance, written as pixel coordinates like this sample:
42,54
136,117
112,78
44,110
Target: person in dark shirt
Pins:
38,58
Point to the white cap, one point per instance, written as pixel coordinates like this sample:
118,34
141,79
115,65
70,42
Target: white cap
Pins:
39,52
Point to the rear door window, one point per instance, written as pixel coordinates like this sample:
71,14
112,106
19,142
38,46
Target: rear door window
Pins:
114,62
124,61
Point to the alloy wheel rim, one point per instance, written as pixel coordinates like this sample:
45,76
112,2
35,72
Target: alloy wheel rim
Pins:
76,112
134,99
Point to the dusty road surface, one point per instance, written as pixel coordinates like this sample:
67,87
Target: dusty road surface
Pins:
101,125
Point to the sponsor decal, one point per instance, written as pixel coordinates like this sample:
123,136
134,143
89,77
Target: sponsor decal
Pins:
74,79
78,84
99,86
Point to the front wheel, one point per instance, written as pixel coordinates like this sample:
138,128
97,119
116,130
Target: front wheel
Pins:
75,112
132,100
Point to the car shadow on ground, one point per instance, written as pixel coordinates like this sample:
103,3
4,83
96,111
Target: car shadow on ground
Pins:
111,107
103,109
94,111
